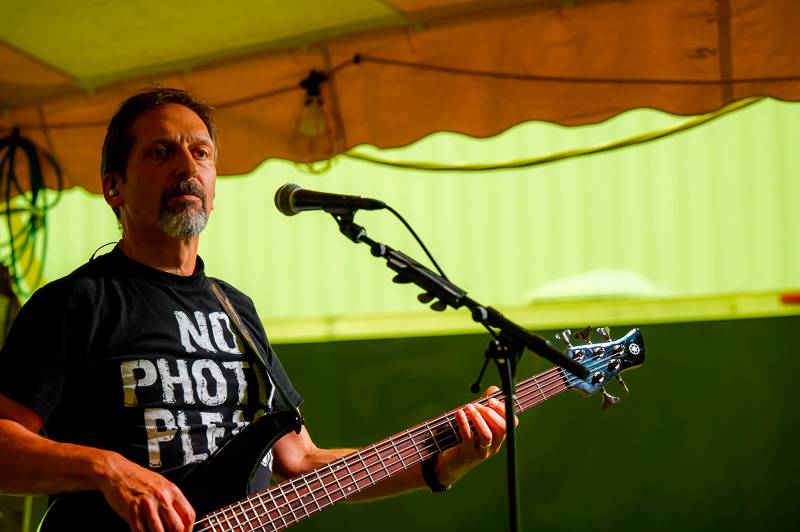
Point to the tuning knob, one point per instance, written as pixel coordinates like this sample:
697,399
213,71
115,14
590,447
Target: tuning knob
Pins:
563,337
605,332
584,335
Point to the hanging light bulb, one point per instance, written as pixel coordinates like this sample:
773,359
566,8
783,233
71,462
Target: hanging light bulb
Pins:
313,133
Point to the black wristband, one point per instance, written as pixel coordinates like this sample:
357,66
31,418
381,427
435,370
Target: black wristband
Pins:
429,474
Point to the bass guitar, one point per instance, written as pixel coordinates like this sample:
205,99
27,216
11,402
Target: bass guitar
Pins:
217,488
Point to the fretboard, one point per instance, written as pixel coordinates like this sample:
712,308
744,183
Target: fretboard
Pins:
293,500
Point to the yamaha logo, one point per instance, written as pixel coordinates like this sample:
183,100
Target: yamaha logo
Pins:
634,349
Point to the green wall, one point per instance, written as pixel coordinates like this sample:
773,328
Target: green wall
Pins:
706,440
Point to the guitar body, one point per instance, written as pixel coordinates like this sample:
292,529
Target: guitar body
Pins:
220,480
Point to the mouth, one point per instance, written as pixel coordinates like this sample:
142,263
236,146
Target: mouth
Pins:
183,195
185,198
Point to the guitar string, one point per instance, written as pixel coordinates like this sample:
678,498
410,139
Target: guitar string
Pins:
547,379
453,437
312,492
539,397
527,389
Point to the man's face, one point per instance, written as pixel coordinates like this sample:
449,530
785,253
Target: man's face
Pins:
170,176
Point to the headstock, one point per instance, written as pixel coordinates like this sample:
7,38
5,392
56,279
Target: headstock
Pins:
604,360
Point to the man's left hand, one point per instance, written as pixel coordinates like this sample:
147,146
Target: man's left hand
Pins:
478,442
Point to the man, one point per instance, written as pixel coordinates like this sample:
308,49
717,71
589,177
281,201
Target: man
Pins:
131,365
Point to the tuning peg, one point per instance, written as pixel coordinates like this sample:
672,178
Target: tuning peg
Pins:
605,332
584,335
608,399
399,279
563,337
439,306
424,298
622,383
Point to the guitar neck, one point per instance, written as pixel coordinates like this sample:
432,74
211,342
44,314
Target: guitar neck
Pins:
293,500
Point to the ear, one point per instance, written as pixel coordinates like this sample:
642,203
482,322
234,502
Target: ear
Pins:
111,192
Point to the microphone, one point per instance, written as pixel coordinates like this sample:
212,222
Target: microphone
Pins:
291,199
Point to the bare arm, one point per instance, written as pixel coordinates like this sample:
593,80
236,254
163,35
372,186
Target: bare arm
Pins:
296,454
32,464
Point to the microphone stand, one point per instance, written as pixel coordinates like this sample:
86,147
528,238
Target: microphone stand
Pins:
505,349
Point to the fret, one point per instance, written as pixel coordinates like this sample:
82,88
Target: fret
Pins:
366,468
416,449
451,423
334,472
536,382
433,436
383,462
352,476
236,518
215,516
277,509
293,518
298,499
256,513
311,492
323,487
227,521
397,453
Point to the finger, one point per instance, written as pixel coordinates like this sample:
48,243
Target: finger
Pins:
150,517
171,518
489,391
138,523
484,433
463,425
500,408
496,420
185,510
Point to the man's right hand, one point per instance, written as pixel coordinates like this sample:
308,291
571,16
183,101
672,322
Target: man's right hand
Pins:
30,463
147,501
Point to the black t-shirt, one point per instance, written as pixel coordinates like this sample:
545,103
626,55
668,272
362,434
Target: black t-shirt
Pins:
124,357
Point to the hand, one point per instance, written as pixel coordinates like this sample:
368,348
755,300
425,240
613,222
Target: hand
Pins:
147,501
478,443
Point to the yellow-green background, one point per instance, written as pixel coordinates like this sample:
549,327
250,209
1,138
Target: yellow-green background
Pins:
710,211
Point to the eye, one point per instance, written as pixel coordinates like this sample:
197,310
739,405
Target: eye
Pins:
159,152
202,152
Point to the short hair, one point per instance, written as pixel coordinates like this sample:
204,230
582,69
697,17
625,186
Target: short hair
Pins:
119,139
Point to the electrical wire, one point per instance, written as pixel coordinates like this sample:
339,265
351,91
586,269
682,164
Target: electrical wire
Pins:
559,156
25,212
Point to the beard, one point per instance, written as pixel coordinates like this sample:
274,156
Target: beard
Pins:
184,220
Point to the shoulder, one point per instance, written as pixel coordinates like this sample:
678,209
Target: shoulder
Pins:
85,282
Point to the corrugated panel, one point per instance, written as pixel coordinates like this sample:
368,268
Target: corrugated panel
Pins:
706,211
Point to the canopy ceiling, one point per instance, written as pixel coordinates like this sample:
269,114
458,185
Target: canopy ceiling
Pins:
396,70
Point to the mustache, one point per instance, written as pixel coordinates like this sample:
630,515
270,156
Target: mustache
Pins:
184,187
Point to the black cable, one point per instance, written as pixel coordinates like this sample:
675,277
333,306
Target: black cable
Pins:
31,238
419,241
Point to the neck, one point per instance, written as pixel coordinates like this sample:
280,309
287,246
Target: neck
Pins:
162,252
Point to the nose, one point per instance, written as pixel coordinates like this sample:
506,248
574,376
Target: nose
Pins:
186,167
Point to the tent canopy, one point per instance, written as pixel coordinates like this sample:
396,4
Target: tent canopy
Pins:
389,71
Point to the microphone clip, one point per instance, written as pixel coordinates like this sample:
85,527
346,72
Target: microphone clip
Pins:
350,229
